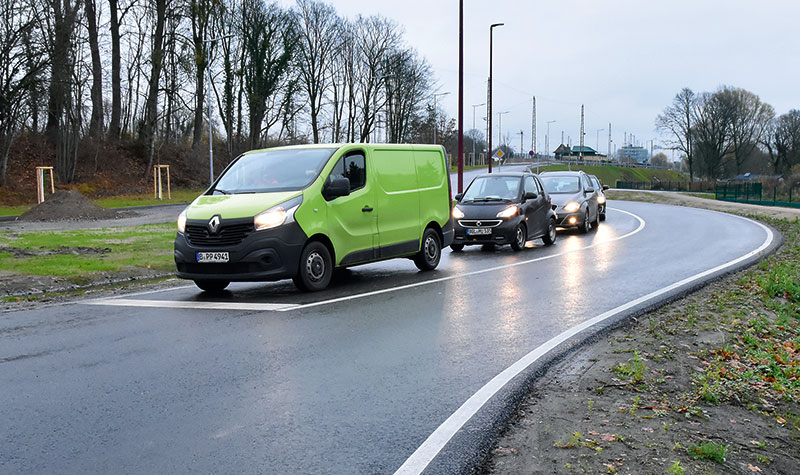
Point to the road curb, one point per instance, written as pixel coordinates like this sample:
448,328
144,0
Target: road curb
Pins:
470,444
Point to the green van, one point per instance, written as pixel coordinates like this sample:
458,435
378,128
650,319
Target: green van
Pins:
300,211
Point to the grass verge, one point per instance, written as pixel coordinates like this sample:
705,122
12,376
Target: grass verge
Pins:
121,201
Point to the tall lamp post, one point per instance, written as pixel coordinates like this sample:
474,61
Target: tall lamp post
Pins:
547,139
500,132
598,140
489,99
435,114
473,128
210,120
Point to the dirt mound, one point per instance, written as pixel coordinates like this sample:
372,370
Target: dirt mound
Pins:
66,206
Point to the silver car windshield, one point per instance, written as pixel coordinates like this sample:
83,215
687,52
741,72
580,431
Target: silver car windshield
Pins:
561,184
273,170
493,188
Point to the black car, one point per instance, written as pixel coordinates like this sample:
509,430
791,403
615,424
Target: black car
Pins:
503,208
575,197
601,196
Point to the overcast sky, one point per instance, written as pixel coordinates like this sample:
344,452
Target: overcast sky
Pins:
623,59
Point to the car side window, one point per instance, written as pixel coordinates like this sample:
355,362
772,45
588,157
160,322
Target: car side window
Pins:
530,185
587,185
353,167
539,186
596,183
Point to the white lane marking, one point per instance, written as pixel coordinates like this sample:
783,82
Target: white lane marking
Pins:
426,452
195,305
477,272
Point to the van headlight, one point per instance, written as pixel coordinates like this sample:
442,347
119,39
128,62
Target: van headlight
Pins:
457,213
182,222
277,215
571,207
508,212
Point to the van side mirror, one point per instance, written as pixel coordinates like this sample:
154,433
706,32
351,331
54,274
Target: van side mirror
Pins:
529,195
605,187
459,196
336,188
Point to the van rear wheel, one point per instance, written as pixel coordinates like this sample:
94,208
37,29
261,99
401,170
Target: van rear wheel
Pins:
428,257
316,268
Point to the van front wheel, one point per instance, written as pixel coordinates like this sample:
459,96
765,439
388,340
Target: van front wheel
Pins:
428,257
316,268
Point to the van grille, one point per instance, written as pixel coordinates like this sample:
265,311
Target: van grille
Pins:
228,235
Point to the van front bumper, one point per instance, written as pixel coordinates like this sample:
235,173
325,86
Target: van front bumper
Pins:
268,255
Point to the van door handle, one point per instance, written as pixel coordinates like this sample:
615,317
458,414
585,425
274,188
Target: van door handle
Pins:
366,209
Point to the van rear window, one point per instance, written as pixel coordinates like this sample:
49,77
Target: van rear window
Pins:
273,170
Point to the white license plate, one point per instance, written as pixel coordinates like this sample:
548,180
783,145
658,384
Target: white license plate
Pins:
207,257
479,231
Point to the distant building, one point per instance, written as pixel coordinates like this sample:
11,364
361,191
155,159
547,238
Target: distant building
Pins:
633,154
561,152
587,151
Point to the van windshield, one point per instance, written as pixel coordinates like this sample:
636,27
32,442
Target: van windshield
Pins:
273,170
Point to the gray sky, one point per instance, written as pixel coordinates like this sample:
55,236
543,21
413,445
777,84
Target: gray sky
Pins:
623,59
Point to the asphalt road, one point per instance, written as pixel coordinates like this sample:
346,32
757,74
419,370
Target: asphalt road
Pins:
350,380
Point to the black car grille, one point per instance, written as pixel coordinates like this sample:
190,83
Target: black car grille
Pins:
484,223
228,235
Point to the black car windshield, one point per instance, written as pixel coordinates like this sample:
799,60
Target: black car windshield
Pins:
493,188
273,170
560,184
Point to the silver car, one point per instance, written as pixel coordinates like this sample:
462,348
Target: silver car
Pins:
575,198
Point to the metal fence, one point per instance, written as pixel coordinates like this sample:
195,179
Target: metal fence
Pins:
662,186
757,193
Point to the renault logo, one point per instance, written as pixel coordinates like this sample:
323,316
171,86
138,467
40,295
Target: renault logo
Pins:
213,225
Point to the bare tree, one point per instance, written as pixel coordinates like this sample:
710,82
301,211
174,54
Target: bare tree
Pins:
17,74
317,23
96,122
782,141
150,119
376,37
711,132
200,14
748,119
269,40
407,87
677,120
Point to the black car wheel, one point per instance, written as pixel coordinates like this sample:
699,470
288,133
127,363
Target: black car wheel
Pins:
550,238
520,237
212,286
587,224
316,268
457,247
428,257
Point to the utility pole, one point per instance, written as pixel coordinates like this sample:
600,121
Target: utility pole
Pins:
435,114
521,149
208,98
461,95
580,156
547,139
473,129
533,128
608,153
489,97
598,140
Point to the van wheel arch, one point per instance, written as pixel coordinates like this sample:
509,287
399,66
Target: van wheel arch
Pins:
327,242
435,226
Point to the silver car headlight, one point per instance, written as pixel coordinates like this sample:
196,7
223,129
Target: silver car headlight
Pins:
571,207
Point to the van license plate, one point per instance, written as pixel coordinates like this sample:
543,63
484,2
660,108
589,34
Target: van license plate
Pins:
204,257
479,231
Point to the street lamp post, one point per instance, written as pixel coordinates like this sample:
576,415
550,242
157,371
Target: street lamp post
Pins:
547,138
210,120
473,129
598,140
500,131
435,114
489,99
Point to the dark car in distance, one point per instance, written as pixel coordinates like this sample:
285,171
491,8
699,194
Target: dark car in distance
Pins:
503,208
574,196
600,189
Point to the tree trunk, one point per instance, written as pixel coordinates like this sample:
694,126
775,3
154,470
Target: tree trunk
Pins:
151,105
96,122
61,68
114,127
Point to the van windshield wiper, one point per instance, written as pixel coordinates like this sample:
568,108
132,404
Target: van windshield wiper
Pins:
220,190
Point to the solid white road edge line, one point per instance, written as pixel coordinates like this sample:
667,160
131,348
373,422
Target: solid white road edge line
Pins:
426,452
477,272
191,304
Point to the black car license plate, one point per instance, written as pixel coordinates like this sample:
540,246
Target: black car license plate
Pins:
479,232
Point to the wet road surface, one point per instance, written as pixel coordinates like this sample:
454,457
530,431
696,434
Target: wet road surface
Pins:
265,379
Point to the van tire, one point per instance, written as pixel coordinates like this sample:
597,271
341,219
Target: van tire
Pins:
428,257
316,268
212,286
